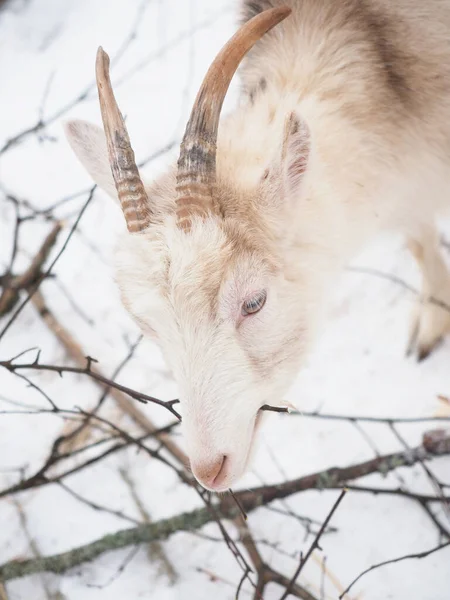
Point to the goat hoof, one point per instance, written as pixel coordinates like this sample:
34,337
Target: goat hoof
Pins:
424,352
430,324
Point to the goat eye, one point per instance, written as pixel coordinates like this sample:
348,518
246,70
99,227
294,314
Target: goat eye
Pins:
255,304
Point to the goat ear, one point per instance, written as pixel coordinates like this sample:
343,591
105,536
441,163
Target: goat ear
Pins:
89,144
295,153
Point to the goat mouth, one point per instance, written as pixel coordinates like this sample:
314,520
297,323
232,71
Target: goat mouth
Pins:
256,425
258,419
225,486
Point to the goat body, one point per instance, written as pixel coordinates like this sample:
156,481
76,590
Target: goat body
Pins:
342,131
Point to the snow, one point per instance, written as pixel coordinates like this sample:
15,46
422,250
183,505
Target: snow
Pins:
47,52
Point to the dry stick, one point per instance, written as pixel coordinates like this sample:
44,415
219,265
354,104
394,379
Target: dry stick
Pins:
191,521
393,561
144,398
323,578
337,476
80,352
313,546
118,572
306,522
89,369
435,483
40,478
214,577
231,544
46,212
75,351
97,507
15,244
128,406
398,492
185,478
34,288
424,505
431,476
71,345
14,285
93,373
400,282
264,572
163,50
82,431
33,546
350,418
82,96
154,550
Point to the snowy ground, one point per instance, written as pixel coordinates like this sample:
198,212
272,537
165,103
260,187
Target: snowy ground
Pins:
47,51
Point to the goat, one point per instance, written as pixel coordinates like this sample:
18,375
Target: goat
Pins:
342,131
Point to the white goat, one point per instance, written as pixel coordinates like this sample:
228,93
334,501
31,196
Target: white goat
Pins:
343,130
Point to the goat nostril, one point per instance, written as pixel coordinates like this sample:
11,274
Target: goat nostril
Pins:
221,472
210,473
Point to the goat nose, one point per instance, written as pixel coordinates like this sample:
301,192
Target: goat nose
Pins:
211,472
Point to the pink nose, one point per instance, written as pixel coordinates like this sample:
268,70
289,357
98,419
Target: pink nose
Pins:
210,473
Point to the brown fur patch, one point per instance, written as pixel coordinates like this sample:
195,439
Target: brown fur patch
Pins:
382,34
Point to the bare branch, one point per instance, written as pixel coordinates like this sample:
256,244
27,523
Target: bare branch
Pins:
400,282
392,561
12,286
397,492
313,546
42,477
225,507
89,371
264,571
350,418
40,279
42,123
124,403
155,551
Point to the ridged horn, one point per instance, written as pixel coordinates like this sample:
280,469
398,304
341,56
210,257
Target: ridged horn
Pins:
197,162
132,195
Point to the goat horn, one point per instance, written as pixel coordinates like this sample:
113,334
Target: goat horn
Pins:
132,195
197,162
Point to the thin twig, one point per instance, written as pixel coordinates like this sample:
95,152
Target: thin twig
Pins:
93,374
360,418
313,546
392,561
226,507
40,279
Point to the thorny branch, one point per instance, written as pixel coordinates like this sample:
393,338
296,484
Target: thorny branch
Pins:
93,374
123,402
249,500
169,404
